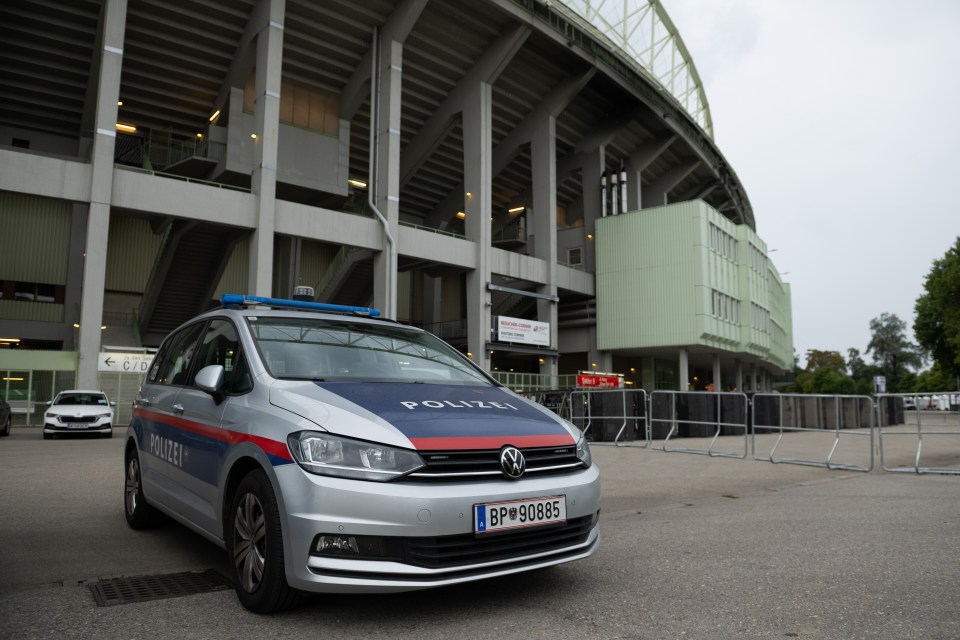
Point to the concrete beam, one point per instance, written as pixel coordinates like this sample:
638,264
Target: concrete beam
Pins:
655,194
639,160
396,29
550,107
487,69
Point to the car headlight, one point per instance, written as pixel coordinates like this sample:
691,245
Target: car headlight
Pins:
328,455
50,415
583,451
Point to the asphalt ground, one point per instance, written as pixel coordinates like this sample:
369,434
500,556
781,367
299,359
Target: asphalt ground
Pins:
693,547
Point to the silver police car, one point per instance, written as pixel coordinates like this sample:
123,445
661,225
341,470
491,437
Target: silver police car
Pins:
330,451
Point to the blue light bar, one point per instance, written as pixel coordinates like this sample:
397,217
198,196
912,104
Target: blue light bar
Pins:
235,298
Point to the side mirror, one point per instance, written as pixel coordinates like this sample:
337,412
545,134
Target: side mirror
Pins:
210,380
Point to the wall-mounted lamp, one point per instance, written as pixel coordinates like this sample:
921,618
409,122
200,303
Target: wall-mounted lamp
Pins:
216,114
516,209
461,215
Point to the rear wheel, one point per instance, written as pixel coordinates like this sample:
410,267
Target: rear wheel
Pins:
5,431
139,514
255,544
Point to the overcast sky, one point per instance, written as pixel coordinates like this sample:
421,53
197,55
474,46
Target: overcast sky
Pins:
841,120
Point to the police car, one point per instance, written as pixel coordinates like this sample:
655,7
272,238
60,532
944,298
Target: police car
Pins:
327,450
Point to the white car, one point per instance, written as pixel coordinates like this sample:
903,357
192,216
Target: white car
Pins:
344,454
79,411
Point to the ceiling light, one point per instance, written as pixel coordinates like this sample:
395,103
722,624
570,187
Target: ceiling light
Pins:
469,195
129,128
119,103
14,379
253,135
10,340
200,135
516,209
589,236
357,184
461,215
216,114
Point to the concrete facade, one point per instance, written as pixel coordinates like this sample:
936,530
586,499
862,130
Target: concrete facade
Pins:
448,173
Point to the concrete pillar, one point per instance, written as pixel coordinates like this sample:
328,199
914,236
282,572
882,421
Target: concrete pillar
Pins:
717,375
432,288
388,170
593,168
753,377
684,382
739,375
101,188
478,182
263,181
543,148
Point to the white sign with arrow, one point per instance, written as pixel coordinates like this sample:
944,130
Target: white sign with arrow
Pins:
121,362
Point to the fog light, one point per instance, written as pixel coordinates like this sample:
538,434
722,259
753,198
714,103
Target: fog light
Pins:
337,545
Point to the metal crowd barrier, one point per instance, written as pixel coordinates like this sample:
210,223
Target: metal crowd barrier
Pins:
845,418
700,414
598,413
918,416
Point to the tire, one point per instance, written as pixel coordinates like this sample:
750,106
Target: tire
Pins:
6,428
139,514
108,434
48,436
255,544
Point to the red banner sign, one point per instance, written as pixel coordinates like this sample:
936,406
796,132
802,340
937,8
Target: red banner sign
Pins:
593,381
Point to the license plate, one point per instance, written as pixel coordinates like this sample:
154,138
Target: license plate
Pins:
519,514
76,425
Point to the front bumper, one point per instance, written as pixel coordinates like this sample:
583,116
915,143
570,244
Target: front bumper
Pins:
438,514
101,427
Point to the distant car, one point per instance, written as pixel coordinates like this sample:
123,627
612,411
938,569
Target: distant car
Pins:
79,411
5,417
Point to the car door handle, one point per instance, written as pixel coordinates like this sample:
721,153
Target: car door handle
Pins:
178,409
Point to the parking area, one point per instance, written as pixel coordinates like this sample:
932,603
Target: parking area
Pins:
693,547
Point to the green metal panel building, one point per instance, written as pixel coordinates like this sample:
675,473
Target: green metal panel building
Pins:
684,277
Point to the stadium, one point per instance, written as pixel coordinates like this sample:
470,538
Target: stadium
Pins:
536,182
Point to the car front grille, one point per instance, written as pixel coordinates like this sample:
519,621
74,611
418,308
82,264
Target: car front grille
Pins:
78,419
460,465
466,549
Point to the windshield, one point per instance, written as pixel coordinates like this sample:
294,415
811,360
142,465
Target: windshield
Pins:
329,350
85,399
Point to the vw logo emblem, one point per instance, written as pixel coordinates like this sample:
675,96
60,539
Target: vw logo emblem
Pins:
512,463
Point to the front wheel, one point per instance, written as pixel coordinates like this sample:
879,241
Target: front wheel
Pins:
255,544
6,428
139,514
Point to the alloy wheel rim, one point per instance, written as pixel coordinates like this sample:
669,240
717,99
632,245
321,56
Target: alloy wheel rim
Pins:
249,549
132,485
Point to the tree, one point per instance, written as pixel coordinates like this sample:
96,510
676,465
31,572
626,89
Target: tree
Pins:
937,326
826,372
892,352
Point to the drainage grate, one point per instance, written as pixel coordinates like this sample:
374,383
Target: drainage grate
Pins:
145,588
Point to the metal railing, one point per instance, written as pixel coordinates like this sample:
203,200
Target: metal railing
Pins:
918,418
701,414
841,419
442,232
601,412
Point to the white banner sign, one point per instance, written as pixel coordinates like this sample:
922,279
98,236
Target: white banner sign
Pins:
124,362
523,331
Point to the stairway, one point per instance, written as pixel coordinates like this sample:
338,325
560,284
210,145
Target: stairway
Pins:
185,275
